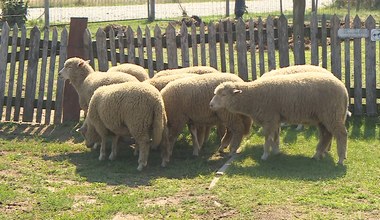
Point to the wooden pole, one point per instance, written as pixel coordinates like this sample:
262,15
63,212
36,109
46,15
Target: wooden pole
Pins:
47,21
75,48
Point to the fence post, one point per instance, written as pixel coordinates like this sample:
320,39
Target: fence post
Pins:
75,48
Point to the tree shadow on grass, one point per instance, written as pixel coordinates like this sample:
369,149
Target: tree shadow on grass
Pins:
283,166
123,171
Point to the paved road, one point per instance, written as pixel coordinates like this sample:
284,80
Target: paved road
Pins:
109,13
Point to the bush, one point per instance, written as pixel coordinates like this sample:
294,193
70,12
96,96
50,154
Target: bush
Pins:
14,11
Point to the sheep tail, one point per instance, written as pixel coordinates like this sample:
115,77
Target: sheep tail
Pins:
159,121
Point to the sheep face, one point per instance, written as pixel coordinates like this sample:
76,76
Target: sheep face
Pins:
73,67
223,93
89,134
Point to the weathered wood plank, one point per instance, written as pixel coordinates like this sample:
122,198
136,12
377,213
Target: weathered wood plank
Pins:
358,109
336,62
121,36
31,77
260,35
88,49
20,75
12,73
270,43
149,51
241,46
3,62
194,44
283,39
101,49
158,48
202,37
324,42
252,49
185,46
222,46
171,47
112,47
140,46
41,88
53,55
130,36
230,39
60,82
370,68
212,45
347,58
313,38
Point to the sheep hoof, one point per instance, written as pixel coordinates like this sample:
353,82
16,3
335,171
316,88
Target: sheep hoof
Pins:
112,157
276,151
340,162
140,167
317,156
102,157
265,156
195,153
163,164
95,146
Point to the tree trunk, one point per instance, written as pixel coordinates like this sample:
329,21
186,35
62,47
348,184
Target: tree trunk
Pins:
298,31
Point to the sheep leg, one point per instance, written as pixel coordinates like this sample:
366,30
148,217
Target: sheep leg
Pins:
102,155
324,143
144,147
235,142
113,154
225,140
165,154
203,133
194,138
340,134
276,142
269,133
220,130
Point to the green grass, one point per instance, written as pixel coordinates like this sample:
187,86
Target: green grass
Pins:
47,173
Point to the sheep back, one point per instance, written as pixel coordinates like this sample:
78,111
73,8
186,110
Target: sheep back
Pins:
132,69
296,69
193,69
161,82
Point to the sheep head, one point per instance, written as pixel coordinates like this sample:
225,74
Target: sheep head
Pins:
89,134
75,69
222,94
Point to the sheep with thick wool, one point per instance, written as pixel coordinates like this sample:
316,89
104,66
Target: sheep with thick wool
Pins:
199,133
304,98
86,80
295,69
128,109
135,70
193,69
187,100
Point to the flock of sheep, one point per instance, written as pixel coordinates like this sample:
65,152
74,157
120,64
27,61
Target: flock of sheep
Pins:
125,103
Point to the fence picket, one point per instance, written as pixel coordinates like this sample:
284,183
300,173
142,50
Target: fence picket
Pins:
230,39
53,55
324,41
347,58
171,47
283,39
357,71
194,44
185,46
12,73
20,74
260,30
252,49
202,37
111,37
313,39
149,51
336,64
241,46
41,89
31,75
222,47
270,44
158,48
101,49
212,45
370,69
60,82
88,49
130,36
121,36
3,63
140,46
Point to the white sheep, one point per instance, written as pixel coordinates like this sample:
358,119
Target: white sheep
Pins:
192,69
127,109
135,70
199,133
186,100
295,69
311,98
85,80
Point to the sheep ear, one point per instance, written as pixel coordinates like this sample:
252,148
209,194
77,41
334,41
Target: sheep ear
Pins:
83,63
237,91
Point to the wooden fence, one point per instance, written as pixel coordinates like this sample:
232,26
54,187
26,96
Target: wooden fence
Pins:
246,48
